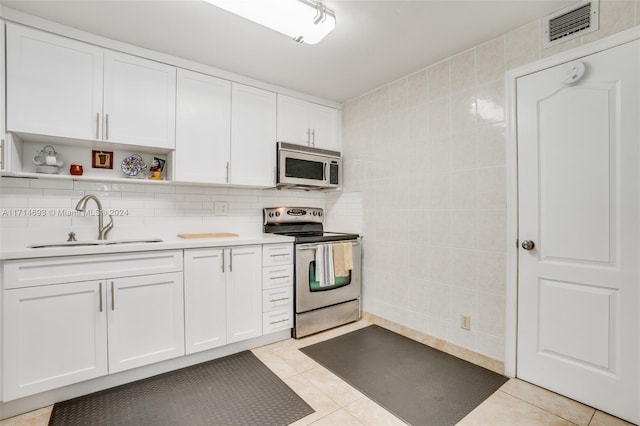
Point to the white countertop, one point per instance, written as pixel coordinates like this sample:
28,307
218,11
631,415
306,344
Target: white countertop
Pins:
20,250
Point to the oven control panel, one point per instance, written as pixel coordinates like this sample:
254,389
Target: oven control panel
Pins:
279,215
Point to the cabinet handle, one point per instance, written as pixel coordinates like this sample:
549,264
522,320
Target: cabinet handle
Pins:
230,260
106,126
100,297
278,300
227,166
223,260
2,148
281,277
308,135
279,321
97,125
113,297
313,137
279,254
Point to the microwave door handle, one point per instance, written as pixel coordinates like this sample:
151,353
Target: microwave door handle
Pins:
324,171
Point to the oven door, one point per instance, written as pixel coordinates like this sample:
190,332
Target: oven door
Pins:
309,295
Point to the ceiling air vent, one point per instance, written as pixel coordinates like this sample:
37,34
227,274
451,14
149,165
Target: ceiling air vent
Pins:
570,22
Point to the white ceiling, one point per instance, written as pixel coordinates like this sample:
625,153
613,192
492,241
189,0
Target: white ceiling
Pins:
374,42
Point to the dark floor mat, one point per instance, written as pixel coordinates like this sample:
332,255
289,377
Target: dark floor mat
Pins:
235,390
419,384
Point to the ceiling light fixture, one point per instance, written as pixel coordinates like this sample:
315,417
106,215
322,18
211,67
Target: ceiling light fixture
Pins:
306,21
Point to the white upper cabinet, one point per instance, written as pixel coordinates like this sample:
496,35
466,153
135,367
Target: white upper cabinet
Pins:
253,136
305,123
203,128
3,145
54,84
64,88
325,131
139,101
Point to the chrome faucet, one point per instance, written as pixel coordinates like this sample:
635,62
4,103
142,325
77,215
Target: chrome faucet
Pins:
102,230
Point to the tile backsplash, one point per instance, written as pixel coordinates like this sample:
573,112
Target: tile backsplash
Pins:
139,207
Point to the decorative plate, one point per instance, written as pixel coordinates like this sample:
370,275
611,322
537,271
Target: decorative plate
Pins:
132,166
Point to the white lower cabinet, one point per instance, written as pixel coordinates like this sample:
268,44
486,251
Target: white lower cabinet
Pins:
223,296
205,299
64,322
244,298
54,336
277,288
145,320
58,331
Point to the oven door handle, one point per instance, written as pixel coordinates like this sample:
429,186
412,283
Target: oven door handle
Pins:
313,246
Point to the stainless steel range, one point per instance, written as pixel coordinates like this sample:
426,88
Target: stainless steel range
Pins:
327,269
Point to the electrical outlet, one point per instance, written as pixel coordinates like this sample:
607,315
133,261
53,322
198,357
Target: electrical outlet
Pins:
465,322
220,208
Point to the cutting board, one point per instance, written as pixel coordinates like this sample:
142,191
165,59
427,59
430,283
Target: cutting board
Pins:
209,235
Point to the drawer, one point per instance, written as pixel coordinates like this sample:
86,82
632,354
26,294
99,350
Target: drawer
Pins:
277,254
55,270
277,298
277,320
277,276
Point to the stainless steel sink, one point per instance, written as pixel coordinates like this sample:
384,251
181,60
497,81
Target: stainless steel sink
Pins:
95,243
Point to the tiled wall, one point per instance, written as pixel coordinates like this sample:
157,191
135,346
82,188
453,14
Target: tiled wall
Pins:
426,154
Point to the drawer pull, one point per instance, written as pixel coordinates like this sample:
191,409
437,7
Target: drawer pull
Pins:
279,321
280,277
100,290
278,300
279,254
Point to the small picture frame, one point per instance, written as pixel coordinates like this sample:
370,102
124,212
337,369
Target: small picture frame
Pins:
102,159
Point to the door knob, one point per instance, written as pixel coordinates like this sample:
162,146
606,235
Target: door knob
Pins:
528,245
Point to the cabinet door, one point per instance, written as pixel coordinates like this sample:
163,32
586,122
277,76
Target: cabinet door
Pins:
54,84
244,293
324,127
139,101
253,136
293,121
203,128
146,320
204,299
3,146
54,336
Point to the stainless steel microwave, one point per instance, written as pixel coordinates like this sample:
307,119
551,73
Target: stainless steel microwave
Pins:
305,167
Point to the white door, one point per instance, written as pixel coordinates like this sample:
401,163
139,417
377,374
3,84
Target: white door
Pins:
253,136
204,299
54,335
54,84
578,294
139,101
244,293
203,128
145,320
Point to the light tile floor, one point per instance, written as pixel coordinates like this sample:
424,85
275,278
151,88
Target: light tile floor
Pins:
337,403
